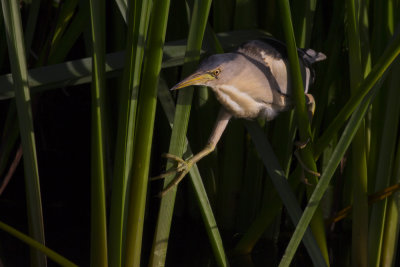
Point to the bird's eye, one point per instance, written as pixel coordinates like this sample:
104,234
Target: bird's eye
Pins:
216,72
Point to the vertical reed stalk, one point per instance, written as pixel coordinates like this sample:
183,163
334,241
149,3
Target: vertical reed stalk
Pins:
286,194
138,20
323,183
178,137
382,64
201,196
16,49
317,224
391,234
98,199
359,167
383,176
144,131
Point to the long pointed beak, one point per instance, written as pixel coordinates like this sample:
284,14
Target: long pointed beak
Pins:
194,79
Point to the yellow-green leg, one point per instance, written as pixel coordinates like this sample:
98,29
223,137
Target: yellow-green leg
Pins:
184,166
310,102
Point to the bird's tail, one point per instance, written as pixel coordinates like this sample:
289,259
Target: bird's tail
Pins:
311,56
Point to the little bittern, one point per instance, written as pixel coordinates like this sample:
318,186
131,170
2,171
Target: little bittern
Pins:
254,81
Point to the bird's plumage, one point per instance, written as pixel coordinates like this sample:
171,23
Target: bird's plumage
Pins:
254,80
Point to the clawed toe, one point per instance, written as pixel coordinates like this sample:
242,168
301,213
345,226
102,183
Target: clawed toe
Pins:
304,180
181,164
173,157
165,174
182,168
305,168
301,144
173,183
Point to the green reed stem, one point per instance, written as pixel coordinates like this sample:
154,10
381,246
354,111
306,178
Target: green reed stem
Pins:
98,199
138,20
317,224
178,138
16,49
144,131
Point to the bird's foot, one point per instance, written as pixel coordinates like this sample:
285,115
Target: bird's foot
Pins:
302,145
304,180
182,168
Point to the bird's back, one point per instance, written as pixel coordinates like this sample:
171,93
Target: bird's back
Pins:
277,50
273,54
270,56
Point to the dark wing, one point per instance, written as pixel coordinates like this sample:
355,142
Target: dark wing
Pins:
256,49
261,52
270,59
277,49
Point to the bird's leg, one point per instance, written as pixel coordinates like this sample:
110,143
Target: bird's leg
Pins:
296,153
184,166
310,102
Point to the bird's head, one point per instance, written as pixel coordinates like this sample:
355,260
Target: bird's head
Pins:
212,71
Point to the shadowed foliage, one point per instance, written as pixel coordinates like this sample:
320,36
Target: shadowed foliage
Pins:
86,114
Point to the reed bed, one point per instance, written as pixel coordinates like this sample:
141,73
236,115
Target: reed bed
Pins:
84,99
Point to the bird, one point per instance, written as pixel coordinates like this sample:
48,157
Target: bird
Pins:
251,82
